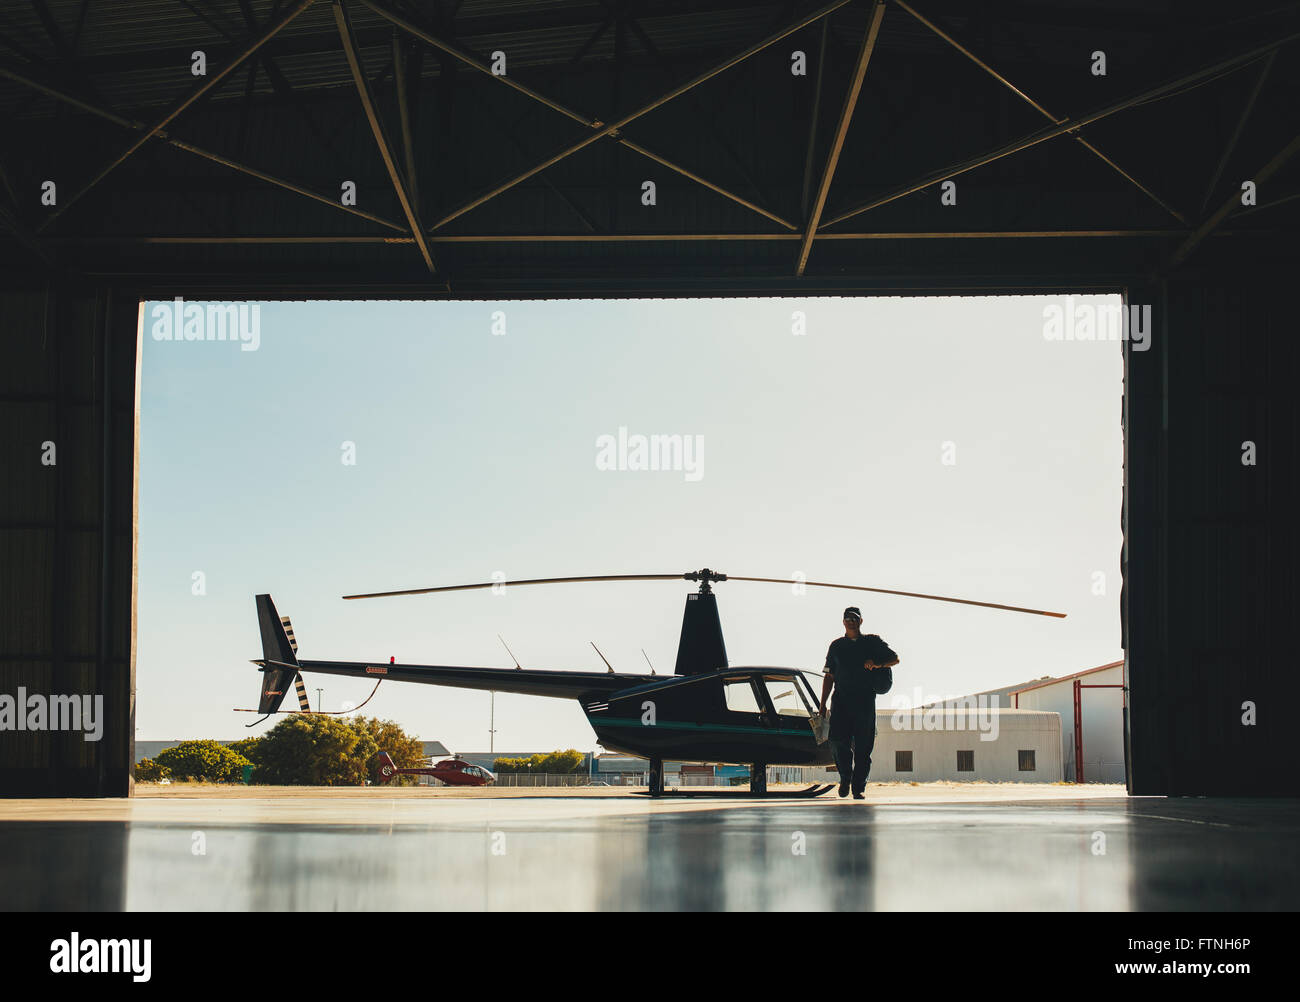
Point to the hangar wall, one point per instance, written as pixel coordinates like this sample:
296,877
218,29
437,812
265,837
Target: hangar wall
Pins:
1210,561
67,540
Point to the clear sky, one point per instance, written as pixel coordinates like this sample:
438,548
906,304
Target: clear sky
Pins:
476,452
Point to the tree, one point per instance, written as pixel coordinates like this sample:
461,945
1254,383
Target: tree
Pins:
516,764
206,760
149,771
314,750
246,747
405,751
562,762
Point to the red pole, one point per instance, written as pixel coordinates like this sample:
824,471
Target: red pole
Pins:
1078,733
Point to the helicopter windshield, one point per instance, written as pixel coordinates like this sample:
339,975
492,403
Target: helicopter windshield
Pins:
787,697
811,685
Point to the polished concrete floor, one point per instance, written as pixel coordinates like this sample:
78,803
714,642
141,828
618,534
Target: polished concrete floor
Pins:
894,852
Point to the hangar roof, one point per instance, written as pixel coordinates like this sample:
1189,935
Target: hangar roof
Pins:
1068,678
507,147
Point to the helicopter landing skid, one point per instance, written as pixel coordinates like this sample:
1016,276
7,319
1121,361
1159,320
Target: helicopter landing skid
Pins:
813,791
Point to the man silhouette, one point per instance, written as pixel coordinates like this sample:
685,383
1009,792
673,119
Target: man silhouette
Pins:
858,668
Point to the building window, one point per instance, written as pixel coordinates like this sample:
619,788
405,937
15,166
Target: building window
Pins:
1027,760
966,761
902,761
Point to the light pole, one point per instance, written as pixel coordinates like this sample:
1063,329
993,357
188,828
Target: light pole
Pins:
492,723
318,692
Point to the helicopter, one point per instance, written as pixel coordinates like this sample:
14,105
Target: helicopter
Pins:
452,771
706,711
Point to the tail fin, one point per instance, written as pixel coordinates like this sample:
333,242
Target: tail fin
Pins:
387,770
276,647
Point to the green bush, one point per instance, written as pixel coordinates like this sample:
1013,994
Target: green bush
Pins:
206,760
149,771
566,761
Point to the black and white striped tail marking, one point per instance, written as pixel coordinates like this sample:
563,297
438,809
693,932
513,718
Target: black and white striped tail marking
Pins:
288,632
298,683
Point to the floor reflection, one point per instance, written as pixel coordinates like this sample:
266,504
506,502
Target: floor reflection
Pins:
1147,854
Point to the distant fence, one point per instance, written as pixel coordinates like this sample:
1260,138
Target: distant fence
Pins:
569,779
671,779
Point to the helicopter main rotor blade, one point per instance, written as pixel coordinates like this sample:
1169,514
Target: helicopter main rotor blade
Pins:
704,576
905,594
530,581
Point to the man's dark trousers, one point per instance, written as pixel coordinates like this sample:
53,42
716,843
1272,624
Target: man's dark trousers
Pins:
853,735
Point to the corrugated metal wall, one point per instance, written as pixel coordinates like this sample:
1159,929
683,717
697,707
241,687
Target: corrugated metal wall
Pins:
1210,568
67,540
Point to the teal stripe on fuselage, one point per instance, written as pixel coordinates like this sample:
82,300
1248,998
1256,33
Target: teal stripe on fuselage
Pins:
596,721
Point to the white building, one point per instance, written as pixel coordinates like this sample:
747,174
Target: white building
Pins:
973,743
1094,724
968,743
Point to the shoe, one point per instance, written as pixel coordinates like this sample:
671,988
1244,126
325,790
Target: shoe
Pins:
844,790
857,795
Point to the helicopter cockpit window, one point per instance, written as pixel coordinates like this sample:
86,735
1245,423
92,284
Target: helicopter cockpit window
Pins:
740,696
786,697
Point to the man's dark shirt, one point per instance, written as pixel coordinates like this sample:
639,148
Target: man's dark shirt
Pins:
856,686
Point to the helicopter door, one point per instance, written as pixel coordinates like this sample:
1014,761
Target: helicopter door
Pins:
789,702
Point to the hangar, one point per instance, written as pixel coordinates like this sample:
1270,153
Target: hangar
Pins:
251,150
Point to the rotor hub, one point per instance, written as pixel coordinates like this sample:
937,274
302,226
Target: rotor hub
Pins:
705,577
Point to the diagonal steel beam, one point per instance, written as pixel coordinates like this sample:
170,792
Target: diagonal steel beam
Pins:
1233,201
469,60
813,119
599,127
1236,133
1056,119
1269,205
52,29
600,130
841,131
212,81
1070,125
344,23
15,223
512,134
711,126
591,40
278,81
404,117
166,137
691,175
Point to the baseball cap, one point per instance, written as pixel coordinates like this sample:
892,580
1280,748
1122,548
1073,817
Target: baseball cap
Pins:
854,611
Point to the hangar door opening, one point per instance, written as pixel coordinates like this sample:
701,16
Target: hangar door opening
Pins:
964,447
